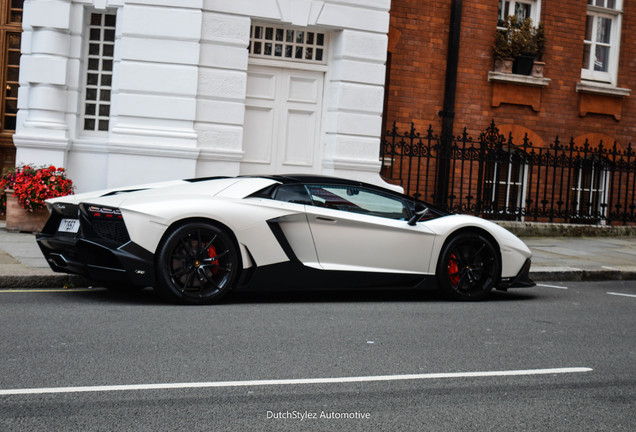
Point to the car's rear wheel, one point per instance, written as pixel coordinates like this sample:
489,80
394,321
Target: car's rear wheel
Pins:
197,263
469,267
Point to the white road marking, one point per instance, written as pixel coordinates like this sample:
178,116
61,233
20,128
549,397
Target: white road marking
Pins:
278,382
552,286
621,294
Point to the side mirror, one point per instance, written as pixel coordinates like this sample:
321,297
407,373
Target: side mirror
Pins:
420,212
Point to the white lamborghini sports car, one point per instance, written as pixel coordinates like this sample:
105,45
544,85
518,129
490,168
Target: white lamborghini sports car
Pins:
195,240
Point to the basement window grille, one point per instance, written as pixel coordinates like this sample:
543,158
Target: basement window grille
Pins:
100,49
282,43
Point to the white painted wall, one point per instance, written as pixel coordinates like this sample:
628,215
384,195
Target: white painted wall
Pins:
179,87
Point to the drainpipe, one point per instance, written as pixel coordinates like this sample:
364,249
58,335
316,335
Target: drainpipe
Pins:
448,112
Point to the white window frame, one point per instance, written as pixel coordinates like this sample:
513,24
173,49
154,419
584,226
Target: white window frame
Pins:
595,12
88,83
535,9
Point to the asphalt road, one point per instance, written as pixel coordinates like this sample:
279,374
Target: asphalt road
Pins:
542,359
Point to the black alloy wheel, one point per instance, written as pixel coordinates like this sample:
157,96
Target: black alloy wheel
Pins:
469,267
198,263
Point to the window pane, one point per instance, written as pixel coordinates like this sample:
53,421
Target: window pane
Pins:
601,61
9,122
106,80
11,91
586,56
109,35
13,57
14,41
109,50
91,94
603,32
589,25
523,11
357,200
13,74
110,20
296,194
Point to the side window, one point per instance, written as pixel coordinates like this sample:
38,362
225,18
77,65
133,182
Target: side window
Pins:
358,200
295,193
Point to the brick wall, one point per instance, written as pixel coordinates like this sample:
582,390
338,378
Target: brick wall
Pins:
418,43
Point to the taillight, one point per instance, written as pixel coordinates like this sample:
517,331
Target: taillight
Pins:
104,212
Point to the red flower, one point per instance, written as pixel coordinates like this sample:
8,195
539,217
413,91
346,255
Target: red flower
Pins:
33,186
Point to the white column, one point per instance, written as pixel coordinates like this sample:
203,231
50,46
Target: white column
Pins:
42,131
222,78
356,98
152,134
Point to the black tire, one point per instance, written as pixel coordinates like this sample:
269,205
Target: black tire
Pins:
197,263
469,267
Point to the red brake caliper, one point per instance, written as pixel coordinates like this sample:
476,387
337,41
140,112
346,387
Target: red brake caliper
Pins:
453,270
212,254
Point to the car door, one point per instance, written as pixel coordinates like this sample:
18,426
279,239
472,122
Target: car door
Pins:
362,229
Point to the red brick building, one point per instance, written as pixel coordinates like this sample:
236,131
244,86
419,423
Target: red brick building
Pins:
585,93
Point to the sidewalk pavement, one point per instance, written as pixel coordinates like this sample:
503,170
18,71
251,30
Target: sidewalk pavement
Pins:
22,265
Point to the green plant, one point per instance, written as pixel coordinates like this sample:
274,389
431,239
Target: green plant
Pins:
519,38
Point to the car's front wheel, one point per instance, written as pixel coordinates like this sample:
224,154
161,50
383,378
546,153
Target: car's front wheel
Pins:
197,263
469,267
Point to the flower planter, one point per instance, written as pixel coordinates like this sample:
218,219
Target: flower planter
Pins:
504,64
18,219
523,65
537,69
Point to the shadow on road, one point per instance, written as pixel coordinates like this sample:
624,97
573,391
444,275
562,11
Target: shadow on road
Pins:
269,296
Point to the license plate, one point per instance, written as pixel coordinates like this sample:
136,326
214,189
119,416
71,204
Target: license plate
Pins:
69,225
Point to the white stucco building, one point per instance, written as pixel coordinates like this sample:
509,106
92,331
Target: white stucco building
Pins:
130,91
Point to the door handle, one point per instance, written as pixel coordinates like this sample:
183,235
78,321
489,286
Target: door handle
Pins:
325,219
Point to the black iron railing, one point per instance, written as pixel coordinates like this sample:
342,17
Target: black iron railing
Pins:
496,178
